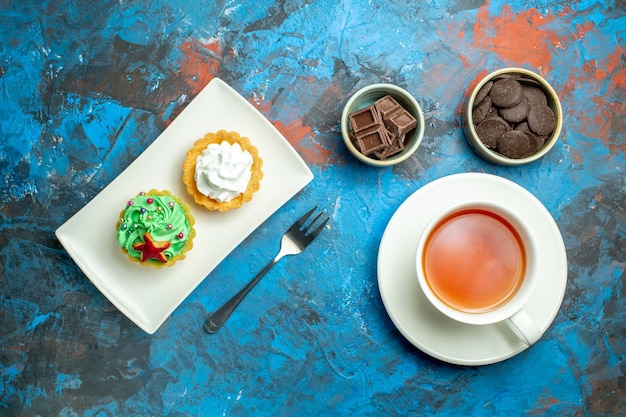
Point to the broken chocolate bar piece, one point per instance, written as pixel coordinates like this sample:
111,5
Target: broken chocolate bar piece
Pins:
386,106
400,123
394,148
379,130
364,119
372,140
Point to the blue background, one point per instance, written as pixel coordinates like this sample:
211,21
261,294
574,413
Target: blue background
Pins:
86,86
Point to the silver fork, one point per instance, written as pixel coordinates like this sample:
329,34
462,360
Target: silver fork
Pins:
294,241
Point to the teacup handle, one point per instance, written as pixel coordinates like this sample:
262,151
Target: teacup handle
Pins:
524,327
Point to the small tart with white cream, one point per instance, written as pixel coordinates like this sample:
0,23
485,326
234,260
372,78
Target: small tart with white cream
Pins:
222,170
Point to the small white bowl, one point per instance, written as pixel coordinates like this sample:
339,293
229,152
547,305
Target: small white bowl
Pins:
366,97
491,156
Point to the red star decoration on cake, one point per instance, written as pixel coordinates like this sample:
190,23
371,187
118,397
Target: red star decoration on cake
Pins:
150,249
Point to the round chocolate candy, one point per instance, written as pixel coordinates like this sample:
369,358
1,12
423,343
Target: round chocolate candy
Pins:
517,113
480,111
541,120
506,92
536,139
490,130
536,143
483,92
534,95
513,144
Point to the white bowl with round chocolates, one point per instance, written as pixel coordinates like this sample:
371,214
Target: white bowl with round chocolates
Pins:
382,125
512,117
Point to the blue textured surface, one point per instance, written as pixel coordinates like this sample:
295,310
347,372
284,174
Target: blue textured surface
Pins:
86,86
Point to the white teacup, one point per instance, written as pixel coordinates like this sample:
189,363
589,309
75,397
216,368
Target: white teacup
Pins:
478,263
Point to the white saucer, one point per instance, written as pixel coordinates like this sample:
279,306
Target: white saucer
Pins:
422,324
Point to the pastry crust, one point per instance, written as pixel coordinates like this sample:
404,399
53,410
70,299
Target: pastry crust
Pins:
189,169
189,244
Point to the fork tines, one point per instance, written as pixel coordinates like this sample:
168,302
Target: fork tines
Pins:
306,224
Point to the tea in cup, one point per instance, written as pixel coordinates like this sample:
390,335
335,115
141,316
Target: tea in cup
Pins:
477,263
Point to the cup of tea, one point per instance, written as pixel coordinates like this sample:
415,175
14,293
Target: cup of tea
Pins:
478,263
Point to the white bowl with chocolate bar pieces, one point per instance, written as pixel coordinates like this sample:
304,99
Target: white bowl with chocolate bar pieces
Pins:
512,117
382,125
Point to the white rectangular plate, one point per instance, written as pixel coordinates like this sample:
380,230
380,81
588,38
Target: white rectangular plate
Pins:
146,295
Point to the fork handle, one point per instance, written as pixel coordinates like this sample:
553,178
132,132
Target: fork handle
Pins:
216,319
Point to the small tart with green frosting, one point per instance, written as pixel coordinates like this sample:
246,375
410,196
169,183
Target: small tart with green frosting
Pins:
222,170
156,229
